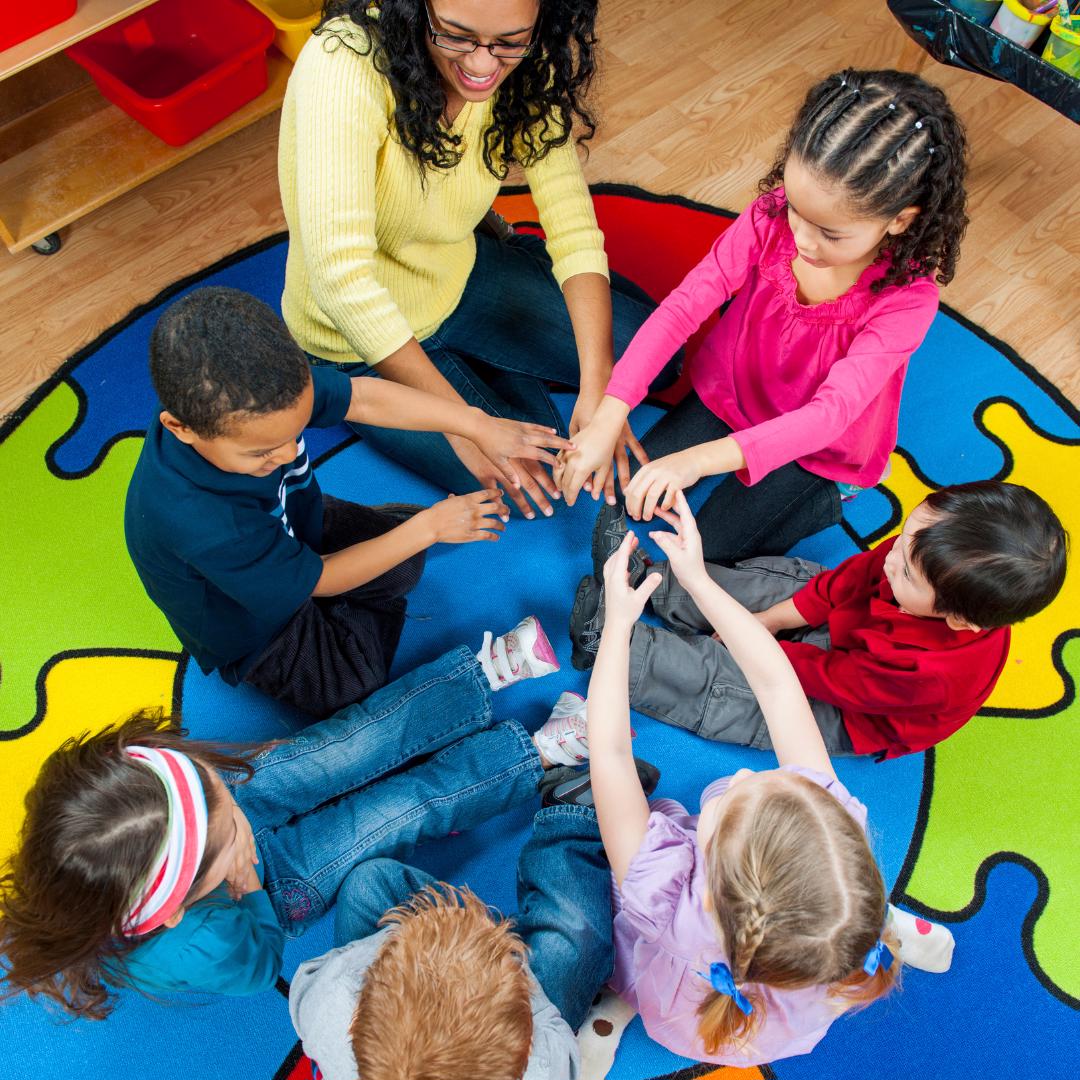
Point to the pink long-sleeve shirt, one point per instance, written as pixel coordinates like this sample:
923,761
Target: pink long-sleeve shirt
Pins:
814,383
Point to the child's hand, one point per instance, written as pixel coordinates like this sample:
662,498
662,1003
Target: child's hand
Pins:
588,465
655,485
503,440
683,547
242,877
461,519
622,604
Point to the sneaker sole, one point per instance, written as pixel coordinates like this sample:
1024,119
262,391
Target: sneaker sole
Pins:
542,649
580,657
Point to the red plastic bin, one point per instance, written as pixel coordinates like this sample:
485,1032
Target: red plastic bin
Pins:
180,66
27,18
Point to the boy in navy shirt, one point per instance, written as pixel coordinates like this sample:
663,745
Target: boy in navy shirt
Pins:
261,578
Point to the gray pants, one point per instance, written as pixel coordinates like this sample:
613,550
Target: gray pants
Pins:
684,677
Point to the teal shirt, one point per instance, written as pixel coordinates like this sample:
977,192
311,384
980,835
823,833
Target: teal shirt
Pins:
221,946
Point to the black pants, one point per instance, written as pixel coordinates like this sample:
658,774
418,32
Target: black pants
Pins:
338,649
739,522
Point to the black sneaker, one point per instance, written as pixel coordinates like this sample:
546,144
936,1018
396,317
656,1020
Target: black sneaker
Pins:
586,622
570,786
608,533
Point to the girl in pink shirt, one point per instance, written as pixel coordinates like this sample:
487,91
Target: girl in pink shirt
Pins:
832,276
741,933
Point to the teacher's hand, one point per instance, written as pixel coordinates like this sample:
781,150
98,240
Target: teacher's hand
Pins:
534,480
503,441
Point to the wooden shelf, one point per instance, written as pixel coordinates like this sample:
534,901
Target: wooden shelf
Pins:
77,152
90,16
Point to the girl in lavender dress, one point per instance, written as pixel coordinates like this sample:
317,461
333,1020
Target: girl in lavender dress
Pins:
743,932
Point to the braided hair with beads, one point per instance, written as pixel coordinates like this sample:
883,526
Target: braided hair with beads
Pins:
888,140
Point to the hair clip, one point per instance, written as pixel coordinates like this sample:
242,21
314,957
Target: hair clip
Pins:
879,956
721,980
918,125
843,81
931,151
892,106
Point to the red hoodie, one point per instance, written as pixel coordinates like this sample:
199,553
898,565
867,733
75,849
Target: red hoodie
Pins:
902,682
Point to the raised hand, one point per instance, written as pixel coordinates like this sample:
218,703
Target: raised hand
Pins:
683,546
623,605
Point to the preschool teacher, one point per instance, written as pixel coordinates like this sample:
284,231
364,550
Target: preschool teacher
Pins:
400,120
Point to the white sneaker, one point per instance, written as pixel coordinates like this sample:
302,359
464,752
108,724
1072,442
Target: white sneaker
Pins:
924,945
564,738
522,653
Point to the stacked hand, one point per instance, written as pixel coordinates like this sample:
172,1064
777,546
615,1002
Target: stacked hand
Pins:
510,454
597,443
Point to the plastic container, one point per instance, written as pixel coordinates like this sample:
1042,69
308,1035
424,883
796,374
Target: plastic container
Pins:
980,11
180,66
1015,22
293,20
1063,46
27,18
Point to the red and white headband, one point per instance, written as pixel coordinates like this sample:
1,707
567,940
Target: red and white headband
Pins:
174,868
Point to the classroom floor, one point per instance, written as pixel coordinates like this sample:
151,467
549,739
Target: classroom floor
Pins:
694,97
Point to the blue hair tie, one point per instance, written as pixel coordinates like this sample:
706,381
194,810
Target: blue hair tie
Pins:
720,979
879,956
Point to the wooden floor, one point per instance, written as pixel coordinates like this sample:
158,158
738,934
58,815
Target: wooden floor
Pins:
694,98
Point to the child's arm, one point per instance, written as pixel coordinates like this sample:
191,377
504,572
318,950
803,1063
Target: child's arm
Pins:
792,727
782,616
720,273
459,519
381,403
655,484
621,806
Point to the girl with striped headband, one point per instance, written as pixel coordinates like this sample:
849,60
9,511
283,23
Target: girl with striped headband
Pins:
151,860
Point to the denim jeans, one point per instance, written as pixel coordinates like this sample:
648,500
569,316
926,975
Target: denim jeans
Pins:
509,336
685,678
736,521
564,905
416,760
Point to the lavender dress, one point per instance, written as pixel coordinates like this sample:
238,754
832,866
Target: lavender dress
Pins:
664,937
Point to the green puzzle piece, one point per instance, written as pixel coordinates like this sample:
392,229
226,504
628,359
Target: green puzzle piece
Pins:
1007,784
66,578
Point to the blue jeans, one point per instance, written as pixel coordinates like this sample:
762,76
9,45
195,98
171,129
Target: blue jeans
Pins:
564,905
509,336
416,760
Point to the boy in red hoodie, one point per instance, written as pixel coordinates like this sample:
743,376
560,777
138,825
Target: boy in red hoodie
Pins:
896,648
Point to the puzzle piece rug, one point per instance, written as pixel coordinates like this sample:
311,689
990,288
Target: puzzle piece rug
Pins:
975,833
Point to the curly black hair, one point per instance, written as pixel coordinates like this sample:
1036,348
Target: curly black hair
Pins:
218,355
890,140
535,109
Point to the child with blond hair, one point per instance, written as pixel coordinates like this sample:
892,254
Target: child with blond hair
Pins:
741,933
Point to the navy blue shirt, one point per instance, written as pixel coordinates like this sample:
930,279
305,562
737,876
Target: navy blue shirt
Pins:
229,558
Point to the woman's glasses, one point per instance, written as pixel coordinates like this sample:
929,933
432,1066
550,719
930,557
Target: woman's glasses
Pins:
456,43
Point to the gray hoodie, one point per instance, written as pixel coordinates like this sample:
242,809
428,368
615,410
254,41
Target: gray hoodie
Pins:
323,997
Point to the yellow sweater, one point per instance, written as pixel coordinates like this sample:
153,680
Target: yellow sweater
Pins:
375,257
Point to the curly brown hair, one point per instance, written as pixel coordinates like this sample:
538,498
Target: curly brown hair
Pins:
889,140
95,820
534,110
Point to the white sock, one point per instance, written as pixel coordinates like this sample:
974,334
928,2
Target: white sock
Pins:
924,945
600,1034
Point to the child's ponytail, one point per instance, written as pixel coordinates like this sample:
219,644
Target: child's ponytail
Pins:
798,901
